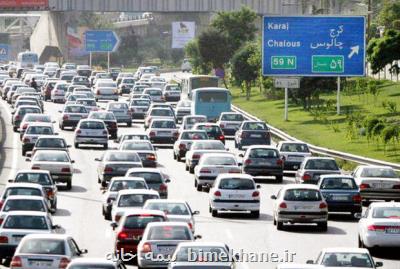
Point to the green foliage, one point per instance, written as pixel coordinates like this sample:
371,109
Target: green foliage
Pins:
389,14
212,47
390,133
177,55
193,53
372,87
384,51
392,107
311,88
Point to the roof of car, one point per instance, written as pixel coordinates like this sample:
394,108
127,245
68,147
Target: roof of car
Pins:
166,201
291,142
385,204
374,166
51,137
46,124
25,197
229,175
137,211
318,158
52,151
27,213
261,147
300,186
335,176
46,236
127,179
86,120
137,191
24,185
167,223
344,249
140,169
32,172
222,154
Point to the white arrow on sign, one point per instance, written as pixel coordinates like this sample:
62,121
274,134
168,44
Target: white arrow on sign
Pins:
354,50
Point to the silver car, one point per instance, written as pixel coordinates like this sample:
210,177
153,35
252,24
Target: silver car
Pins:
90,131
33,132
71,115
163,131
121,112
138,108
156,94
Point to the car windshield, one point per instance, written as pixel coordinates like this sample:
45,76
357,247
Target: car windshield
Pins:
86,102
92,125
170,208
135,200
37,118
106,85
128,81
195,120
50,143
236,184
337,183
210,129
140,102
118,106
169,233
149,177
321,164
137,145
118,185
37,178
194,136
51,157
134,137
263,153
39,130
26,222
102,116
302,195
173,88
27,110
254,126
22,191
141,221
347,260
217,145
43,246
219,160
294,147
75,109
122,157
163,124
154,92
386,212
378,172
202,254
24,205
232,117
139,89
162,112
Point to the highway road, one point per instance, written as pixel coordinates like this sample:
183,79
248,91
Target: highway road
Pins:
80,215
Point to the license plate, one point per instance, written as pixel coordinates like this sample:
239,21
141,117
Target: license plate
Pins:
235,196
17,238
164,133
256,135
166,250
264,163
40,263
340,198
302,207
121,169
393,230
55,177
378,185
295,159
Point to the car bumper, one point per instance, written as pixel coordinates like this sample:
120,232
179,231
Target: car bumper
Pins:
126,119
169,98
91,140
139,116
303,217
182,153
7,250
127,247
381,194
61,177
373,239
72,123
229,131
148,163
235,205
58,97
292,166
202,180
344,207
107,97
154,263
162,140
250,142
263,171
107,177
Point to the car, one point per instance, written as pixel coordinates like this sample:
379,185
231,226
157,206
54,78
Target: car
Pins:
345,257
294,153
18,224
263,161
72,88
234,192
156,94
200,147
50,142
105,89
90,131
47,88
154,178
189,121
58,92
162,131
129,231
90,263
252,133
144,149
158,113
33,97
230,122
341,194
138,89
161,239
41,177
184,142
71,115
19,103
379,226
115,163
25,203
377,183
202,255
19,114
138,108
186,66
157,82
131,199
121,112
89,103
126,85
84,70
114,71
57,162
132,136
71,99
33,132
122,75
109,119
182,109
51,251
67,75
211,165
29,118
117,184
28,189
161,105
80,80
172,92
295,203
313,167
212,129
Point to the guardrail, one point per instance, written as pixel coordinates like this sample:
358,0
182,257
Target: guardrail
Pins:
280,135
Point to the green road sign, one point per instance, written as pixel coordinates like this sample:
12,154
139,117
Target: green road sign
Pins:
327,64
283,62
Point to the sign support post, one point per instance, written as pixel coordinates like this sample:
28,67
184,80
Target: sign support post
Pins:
338,96
101,41
287,83
108,61
286,104
90,60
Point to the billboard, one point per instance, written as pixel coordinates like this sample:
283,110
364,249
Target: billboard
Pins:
182,33
24,4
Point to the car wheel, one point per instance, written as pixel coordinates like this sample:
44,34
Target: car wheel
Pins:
76,145
209,209
279,179
214,212
69,184
174,155
199,187
274,221
195,183
365,202
23,152
98,180
323,226
61,126
178,158
186,167
107,216
129,124
360,243
191,170
279,225
15,129
255,214
105,146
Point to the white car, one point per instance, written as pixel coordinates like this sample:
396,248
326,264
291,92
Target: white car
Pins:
294,153
345,258
19,189
89,103
230,122
121,112
236,192
154,178
33,132
189,121
162,131
52,251
25,203
211,165
380,226
156,94
377,183
144,149
185,140
158,82
158,113
57,162
89,263
183,108
199,148
105,89
131,199
297,203
91,131
58,92
176,210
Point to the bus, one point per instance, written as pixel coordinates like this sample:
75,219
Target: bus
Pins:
27,59
198,81
211,102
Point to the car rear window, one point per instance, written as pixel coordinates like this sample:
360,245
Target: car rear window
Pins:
25,110
39,130
338,184
169,233
302,195
386,212
162,112
163,124
170,208
210,129
75,109
263,153
379,172
253,126
347,259
43,246
141,221
127,185
51,157
141,102
86,102
122,157
24,205
102,116
321,165
209,145
154,92
172,88
26,222
50,143
120,106
92,125
137,146
294,147
195,120
219,160
149,177
236,184
135,137
37,118
134,200
232,117
22,191
38,178
194,136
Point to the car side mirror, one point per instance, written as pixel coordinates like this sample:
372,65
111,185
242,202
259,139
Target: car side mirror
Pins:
56,133
358,215
12,112
310,262
241,155
97,159
11,180
258,186
29,154
114,225
28,159
240,164
167,180
83,251
53,121
273,197
227,149
68,146
378,264
72,161
198,237
59,111
55,227
196,212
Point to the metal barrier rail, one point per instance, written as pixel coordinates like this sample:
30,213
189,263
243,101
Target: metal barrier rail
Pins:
280,135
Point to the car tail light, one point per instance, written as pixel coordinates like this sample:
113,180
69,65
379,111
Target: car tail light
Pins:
247,161
306,177
217,194
108,169
146,248
27,140
65,117
221,125
35,167
117,217
66,170
376,228
221,137
78,131
152,134
357,198
243,135
205,171
151,157
17,117
1,220
25,126
190,225
396,187
283,205
50,193
3,239
122,235
16,262
279,162
63,262
364,186
196,156
98,92
105,132
163,188
323,205
256,194
182,146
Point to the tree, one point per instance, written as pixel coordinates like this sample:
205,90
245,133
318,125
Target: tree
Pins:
389,13
212,48
192,52
384,51
244,70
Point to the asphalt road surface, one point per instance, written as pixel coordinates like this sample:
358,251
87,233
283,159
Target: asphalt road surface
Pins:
79,210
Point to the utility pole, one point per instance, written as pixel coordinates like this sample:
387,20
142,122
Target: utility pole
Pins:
369,19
